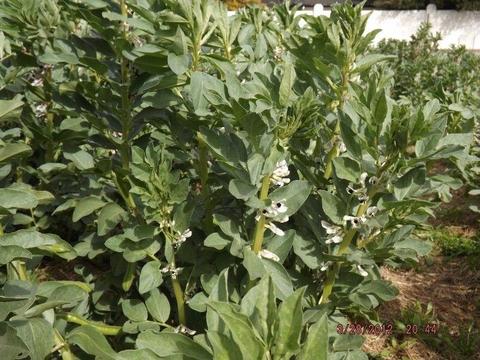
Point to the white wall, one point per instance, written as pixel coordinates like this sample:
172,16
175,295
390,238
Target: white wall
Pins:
456,27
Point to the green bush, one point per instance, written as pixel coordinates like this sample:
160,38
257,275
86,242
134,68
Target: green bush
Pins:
218,193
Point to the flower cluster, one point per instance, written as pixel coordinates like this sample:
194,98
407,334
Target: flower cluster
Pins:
334,232
173,271
280,174
273,211
361,191
325,265
41,110
357,221
182,329
181,237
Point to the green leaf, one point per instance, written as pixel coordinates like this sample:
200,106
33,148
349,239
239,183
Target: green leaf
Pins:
171,345
409,183
223,346
37,334
10,109
241,190
346,168
286,85
9,253
349,137
12,346
289,324
333,206
86,206
242,330
157,305
150,277
178,63
382,289
294,194
217,241
92,342
16,198
280,277
28,238
347,342
134,309
316,345
366,61
109,217
205,89
13,150
259,304
82,159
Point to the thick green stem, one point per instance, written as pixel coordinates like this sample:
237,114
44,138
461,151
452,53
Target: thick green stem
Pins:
260,228
341,95
180,298
62,346
342,249
103,328
125,111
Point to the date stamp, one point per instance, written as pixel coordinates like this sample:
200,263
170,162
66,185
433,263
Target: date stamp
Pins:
385,329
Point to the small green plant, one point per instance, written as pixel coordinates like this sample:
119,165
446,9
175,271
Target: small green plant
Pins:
451,244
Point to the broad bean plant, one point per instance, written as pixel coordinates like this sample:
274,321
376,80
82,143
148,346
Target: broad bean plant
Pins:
178,182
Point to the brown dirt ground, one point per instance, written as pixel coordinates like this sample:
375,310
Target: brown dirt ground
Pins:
450,284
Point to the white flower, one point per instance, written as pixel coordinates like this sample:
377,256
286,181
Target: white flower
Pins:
184,236
335,233
372,211
275,229
355,220
37,82
280,174
363,177
169,269
41,110
268,255
342,147
351,190
373,180
363,198
166,223
324,265
330,229
278,53
277,208
362,271
283,219
182,329
336,239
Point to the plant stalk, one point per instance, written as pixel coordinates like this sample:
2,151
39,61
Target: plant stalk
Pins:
103,328
125,111
342,249
180,299
260,227
62,346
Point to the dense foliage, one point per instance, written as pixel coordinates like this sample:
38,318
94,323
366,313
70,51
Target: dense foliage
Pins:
219,193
